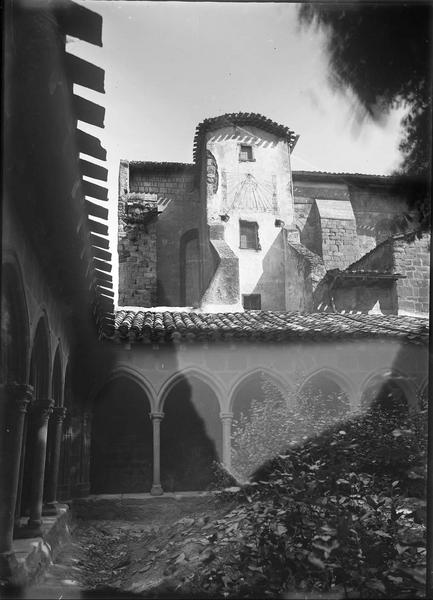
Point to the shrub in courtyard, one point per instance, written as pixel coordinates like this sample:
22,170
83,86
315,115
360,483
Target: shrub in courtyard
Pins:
341,513
273,422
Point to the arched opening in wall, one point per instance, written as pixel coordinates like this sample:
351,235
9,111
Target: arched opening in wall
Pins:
387,395
14,344
56,393
323,400
14,339
121,441
189,257
39,379
260,427
64,480
191,436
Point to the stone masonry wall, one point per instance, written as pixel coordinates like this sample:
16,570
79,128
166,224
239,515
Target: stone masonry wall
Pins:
339,247
374,207
412,259
174,189
137,264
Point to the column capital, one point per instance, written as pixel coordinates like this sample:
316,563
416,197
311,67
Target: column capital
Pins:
156,416
43,407
226,415
59,413
21,394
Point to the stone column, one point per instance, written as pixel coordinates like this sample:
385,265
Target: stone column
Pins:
50,508
17,398
42,411
156,418
226,418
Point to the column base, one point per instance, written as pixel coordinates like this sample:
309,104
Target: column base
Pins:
50,509
10,569
156,490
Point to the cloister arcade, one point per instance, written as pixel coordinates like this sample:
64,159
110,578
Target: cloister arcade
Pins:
32,382
190,397
162,417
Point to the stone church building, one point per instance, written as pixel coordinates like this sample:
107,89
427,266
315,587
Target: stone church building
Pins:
232,269
238,230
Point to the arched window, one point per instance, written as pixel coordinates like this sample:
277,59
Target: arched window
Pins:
189,268
14,328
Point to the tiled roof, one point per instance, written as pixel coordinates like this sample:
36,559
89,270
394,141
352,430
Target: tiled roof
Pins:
165,327
163,166
241,118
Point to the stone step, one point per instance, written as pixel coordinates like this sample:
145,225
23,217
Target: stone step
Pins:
138,507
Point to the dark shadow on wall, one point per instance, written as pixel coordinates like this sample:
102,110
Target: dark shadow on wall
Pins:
190,436
285,283
271,285
311,234
121,450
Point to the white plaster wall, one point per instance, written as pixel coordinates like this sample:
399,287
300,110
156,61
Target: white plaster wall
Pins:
260,271
352,364
271,156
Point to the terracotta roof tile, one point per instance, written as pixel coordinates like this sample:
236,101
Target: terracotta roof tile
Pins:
165,327
241,118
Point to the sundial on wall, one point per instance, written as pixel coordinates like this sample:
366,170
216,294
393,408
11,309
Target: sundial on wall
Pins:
244,191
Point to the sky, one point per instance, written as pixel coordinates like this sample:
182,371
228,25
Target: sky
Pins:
169,65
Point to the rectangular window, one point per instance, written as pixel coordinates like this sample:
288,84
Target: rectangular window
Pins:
252,301
245,153
248,235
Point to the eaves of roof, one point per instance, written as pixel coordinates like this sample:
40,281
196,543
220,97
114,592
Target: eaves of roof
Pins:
179,327
241,118
163,166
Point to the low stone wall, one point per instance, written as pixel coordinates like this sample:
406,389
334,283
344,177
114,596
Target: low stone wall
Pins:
130,507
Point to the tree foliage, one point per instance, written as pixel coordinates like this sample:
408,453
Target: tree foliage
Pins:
340,515
382,52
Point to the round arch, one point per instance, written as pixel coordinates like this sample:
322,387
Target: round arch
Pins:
121,438
189,275
333,375
191,430
327,394
15,331
40,378
57,383
40,360
283,386
66,447
390,377
190,373
134,375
